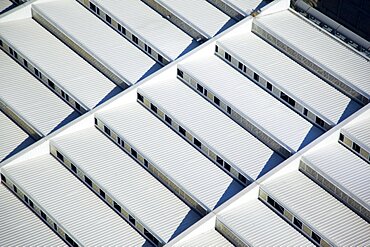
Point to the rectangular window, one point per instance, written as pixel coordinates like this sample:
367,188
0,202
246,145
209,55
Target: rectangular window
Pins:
160,58
205,92
305,112
245,69
25,198
25,63
279,208
140,97
11,51
108,19
15,55
106,130
78,106
151,237
96,121
153,108
180,73
319,121
270,201
228,109
356,147
199,88
168,119
31,204
269,86
55,227
216,100
146,164
60,156
102,193
97,11
256,77
74,169
119,140
216,49
36,72
182,130
135,39
134,153
92,7
116,206
341,137
242,178
43,215
1,43
148,49
297,222
67,97
15,188
3,178
240,66
197,143
227,166
88,181
51,84
227,56
219,161
63,93
70,241
316,237
131,219
123,30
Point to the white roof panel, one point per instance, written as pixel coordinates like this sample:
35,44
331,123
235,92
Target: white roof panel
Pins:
30,99
173,155
71,204
359,130
258,225
211,238
5,5
146,23
268,113
127,182
102,42
76,77
212,127
345,169
20,227
13,138
200,14
290,77
246,7
305,199
295,31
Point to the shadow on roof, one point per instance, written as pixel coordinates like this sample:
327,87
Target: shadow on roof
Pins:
351,108
25,143
153,69
274,160
190,218
234,188
190,47
116,90
312,134
72,116
228,24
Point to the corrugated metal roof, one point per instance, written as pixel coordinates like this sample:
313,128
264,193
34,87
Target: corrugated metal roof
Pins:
246,7
71,204
345,169
165,149
212,127
13,138
99,40
20,227
200,14
146,23
268,113
76,77
30,99
359,130
305,199
6,5
260,226
209,238
127,182
290,77
328,52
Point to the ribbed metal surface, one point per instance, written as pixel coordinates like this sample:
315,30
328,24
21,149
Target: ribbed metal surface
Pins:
246,6
290,77
72,205
76,77
209,238
5,5
20,227
343,168
127,182
13,138
211,126
99,40
200,14
359,130
238,91
260,226
305,199
171,153
30,99
150,26
329,53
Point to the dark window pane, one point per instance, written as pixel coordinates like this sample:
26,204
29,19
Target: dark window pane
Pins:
219,160
117,207
133,152
160,58
270,201
25,198
55,227
242,178
15,188
106,130
279,208
319,121
269,86
240,66
108,19
151,237
146,164
74,169
78,106
356,147
216,100
305,112
51,84
43,215
341,137
197,143
229,110
205,92
60,156
180,73
182,130
102,193
316,237
216,49
96,121
199,88
135,39
227,166
168,119
298,223
284,97
88,181
25,63
256,77
3,178
1,43
140,97
228,56
31,204
153,107
92,7
131,219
